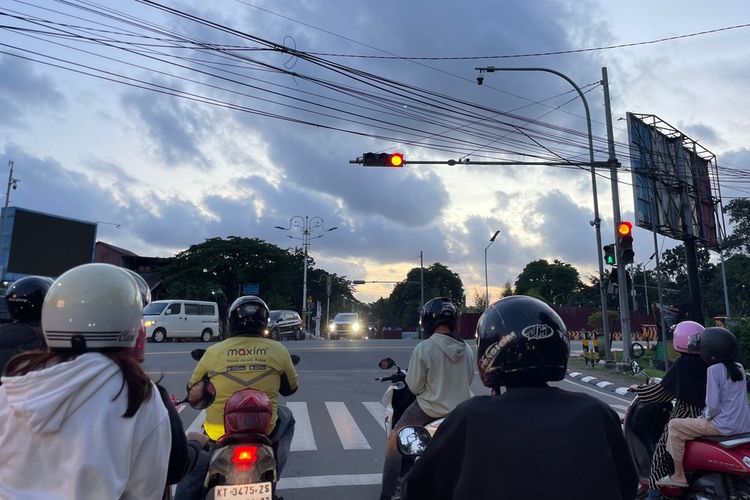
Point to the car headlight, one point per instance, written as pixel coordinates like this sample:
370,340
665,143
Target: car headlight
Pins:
331,327
355,326
149,322
265,332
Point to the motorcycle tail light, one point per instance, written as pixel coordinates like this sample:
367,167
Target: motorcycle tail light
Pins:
244,456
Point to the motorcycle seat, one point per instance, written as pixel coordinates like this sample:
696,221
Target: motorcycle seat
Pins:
244,438
728,441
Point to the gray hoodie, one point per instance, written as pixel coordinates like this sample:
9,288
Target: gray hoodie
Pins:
440,372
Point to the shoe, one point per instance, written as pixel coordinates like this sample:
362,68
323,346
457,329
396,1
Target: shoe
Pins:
668,481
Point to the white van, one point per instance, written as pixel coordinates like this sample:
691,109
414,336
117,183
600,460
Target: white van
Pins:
165,319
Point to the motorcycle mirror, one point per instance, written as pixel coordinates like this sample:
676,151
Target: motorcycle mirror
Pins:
207,394
295,359
386,364
197,354
636,350
412,441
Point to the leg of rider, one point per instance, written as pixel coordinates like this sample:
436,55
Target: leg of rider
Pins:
191,486
681,430
281,437
413,415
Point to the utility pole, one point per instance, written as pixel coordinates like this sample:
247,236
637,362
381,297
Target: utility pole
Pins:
621,273
421,290
11,183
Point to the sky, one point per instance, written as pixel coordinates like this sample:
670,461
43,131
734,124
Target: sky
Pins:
175,121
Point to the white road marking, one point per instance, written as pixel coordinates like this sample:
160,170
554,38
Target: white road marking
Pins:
303,439
599,393
349,434
290,483
377,410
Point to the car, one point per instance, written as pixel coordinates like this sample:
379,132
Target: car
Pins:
345,325
171,319
285,324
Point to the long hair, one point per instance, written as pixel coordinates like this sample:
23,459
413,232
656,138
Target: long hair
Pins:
138,384
733,371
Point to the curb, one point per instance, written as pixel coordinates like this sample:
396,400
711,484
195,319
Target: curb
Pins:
602,384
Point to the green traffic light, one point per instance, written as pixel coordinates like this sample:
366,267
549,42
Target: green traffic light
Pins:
610,260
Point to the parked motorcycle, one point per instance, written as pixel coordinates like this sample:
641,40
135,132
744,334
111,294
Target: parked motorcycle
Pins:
717,467
243,463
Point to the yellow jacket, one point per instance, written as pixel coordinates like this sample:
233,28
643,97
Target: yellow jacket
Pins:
241,362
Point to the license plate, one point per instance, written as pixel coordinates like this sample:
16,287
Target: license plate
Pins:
254,491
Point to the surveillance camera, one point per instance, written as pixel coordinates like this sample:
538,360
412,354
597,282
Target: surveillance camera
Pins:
480,80
14,186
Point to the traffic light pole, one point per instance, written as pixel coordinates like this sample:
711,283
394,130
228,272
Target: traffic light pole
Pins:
622,290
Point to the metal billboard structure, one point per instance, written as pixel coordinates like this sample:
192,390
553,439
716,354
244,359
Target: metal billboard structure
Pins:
675,183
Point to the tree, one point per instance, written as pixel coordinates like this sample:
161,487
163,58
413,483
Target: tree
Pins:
739,216
219,267
554,283
480,301
507,290
405,300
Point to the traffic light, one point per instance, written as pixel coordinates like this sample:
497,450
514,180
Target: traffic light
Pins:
383,159
625,239
609,255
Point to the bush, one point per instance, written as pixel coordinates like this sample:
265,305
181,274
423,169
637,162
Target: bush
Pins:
741,328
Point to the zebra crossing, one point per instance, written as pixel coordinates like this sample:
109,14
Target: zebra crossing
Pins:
349,432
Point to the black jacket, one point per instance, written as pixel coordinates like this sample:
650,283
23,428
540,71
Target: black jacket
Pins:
16,337
529,443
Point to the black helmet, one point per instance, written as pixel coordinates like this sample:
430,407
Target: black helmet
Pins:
248,315
436,312
717,345
521,340
24,298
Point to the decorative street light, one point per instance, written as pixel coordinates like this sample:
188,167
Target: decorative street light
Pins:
306,225
486,282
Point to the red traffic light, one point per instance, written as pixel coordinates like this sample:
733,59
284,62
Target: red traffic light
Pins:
624,228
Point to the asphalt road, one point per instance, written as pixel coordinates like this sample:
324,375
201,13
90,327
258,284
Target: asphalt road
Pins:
338,446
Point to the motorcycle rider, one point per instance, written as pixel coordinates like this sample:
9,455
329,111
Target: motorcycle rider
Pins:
83,420
532,441
244,360
726,411
24,300
685,382
440,372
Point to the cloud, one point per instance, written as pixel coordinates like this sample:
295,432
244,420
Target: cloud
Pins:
175,128
23,91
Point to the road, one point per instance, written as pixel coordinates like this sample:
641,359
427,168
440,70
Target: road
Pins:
337,451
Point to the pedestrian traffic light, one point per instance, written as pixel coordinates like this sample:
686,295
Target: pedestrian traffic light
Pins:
383,159
609,255
625,240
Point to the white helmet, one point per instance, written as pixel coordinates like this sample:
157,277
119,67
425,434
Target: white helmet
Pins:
92,307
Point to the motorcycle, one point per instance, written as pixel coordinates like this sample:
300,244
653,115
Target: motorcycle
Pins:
717,467
396,400
243,462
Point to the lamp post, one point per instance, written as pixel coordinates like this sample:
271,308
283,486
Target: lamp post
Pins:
486,282
597,221
306,225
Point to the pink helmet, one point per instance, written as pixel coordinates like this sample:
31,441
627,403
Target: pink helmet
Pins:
682,333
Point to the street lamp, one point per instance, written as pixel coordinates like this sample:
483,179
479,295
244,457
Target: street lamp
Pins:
486,282
597,221
306,225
